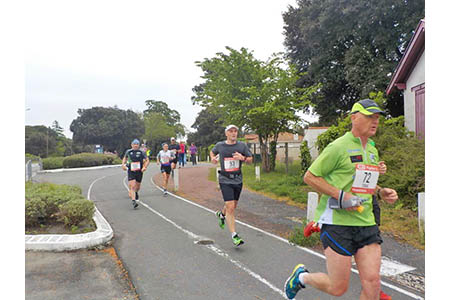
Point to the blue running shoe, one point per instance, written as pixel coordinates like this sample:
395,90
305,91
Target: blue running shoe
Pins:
293,285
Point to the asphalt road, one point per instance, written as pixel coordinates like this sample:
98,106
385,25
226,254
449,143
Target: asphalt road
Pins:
158,246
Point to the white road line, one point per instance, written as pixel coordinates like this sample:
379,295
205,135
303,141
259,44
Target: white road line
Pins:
398,289
216,250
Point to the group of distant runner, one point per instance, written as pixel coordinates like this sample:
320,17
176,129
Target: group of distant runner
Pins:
347,216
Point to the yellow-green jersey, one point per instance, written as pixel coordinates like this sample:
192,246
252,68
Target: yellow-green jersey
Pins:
337,165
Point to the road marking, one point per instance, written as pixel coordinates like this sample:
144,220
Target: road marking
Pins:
398,289
215,249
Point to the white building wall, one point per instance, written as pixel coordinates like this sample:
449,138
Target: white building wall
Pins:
311,137
416,77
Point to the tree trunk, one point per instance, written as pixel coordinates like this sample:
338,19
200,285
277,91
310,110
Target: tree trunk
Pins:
264,154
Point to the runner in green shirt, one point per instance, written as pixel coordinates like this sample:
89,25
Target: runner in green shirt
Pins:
346,175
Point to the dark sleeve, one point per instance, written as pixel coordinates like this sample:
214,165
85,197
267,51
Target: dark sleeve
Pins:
247,151
215,150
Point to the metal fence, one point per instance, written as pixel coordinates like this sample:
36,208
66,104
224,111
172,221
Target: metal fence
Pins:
32,166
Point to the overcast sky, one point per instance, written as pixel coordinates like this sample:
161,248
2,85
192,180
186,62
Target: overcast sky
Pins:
81,54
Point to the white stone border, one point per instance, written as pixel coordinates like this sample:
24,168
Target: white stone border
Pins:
64,242
78,169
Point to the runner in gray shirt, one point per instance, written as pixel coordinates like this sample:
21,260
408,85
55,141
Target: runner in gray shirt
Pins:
231,154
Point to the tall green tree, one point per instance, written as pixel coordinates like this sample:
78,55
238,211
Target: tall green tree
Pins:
209,129
259,96
157,130
351,47
111,127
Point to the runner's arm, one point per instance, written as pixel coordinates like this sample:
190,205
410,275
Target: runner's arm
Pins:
321,185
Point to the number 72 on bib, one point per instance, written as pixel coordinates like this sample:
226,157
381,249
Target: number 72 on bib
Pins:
366,178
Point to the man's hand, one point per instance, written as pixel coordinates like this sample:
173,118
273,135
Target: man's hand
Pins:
124,167
238,156
144,169
215,159
388,195
347,197
383,167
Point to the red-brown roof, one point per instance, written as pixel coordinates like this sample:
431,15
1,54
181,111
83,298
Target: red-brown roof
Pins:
412,54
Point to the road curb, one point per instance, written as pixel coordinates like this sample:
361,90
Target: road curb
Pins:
64,242
78,169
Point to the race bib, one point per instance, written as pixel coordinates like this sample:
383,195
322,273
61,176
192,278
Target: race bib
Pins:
165,159
135,166
366,178
230,164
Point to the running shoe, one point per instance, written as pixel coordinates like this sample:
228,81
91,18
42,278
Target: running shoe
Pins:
384,296
221,217
137,196
165,192
237,241
293,285
135,204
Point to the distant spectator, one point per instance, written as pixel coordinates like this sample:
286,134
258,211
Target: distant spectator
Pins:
193,152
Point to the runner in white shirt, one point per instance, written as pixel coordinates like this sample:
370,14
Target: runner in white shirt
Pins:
165,157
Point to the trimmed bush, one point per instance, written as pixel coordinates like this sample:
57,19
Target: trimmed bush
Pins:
89,160
43,201
35,211
52,163
73,212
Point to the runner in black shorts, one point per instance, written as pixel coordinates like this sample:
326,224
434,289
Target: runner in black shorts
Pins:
135,162
165,157
231,154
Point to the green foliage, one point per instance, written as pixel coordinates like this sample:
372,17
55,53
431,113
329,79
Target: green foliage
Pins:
159,130
52,163
273,155
349,47
305,157
332,133
89,160
210,147
43,200
76,211
297,237
29,156
262,96
209,129
111,127
35,211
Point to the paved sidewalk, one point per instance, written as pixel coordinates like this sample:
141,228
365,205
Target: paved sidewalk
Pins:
83,274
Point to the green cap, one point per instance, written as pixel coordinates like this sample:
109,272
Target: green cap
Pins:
366,107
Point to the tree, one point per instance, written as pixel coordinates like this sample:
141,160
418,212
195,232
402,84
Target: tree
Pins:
259,96
57,129
154,106
40,140
351,47
209,129
157,130
109,126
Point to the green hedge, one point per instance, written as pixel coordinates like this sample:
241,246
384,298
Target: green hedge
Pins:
80,160
47,201
52,163
76,211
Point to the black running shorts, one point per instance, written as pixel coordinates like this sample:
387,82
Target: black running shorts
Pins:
135,176
231,191
346,240
166,169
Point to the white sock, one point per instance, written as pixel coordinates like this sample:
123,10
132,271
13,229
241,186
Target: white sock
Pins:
233,234
301,278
